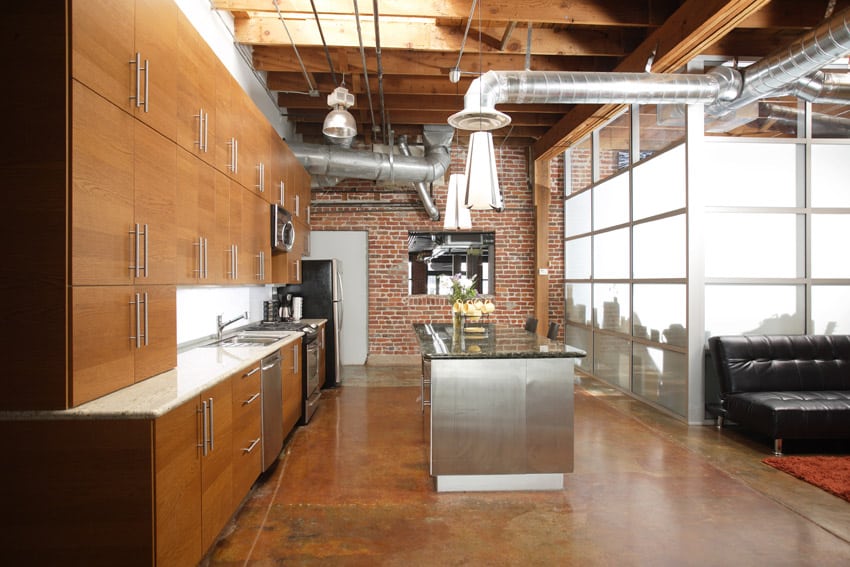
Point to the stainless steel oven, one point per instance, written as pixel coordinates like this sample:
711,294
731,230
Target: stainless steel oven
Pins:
312,392
283,233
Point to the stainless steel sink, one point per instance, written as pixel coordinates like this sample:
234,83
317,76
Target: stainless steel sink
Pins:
238,341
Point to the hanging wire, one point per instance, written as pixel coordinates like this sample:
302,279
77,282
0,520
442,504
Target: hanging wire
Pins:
324,43
365,69
384,117
295,48
465,33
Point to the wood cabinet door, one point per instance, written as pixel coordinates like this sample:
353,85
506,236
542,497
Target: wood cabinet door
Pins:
219,242
293,391
195,219
155,181
195,92
102,45
254,147
177,477
102,351
247,431
227,124
156,36
217,502
238,271
158,325
101,190
256,237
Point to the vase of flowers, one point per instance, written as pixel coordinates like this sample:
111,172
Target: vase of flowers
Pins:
458,288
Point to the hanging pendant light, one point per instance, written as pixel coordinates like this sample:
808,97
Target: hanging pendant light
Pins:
481,192
339,126
457,216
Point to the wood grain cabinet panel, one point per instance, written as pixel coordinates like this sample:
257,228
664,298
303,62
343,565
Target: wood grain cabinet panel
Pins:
196,104
247,431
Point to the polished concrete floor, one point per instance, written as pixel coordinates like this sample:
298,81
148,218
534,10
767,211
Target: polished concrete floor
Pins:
352,488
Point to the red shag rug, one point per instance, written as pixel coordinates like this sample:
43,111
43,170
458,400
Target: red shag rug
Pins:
828,473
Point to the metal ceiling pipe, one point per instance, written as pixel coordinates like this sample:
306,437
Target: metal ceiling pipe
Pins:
329,162
781,71
551,87
420,186
823,88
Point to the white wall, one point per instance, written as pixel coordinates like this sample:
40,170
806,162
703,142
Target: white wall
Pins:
217,30
197,308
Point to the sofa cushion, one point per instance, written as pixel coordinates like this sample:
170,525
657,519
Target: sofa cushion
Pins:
781,363
792,414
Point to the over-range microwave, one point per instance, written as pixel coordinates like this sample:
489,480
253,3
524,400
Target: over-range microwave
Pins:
283,233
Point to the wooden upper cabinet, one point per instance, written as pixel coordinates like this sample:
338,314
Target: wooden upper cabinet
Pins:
256,216
107,39
156,36
155,179
196,103
102,194
253,148
227,130
198,258
103,43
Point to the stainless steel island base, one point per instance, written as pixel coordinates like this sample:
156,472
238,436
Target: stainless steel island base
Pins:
501,423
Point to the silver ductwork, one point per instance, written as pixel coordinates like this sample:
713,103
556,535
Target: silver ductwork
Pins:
332,163
788,71
420,186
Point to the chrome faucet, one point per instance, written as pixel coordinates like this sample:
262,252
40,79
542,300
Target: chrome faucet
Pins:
221,325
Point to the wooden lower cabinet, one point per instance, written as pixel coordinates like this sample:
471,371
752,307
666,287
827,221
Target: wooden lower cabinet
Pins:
293,387
247,431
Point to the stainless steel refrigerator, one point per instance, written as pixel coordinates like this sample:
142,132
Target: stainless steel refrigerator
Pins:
321,288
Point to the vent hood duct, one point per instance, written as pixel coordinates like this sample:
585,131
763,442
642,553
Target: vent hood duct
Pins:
329,164
722,89
420,186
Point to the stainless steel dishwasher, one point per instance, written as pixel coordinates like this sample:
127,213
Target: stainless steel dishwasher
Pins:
272,409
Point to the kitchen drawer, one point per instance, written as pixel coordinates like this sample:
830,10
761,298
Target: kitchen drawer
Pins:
245,385
247,444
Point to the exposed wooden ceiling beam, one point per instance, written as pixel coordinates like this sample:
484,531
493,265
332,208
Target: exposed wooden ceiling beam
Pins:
614,13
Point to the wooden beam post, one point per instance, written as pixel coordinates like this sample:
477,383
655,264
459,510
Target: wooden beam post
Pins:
542,200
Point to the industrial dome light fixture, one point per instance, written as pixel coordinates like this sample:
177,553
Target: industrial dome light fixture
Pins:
339,126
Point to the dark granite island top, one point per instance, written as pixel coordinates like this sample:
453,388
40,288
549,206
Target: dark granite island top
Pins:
438,340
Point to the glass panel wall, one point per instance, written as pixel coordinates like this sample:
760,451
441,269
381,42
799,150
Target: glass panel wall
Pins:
661,127
614,152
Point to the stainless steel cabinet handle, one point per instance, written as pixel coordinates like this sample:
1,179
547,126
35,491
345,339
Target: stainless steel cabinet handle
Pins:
251,399
251,446
147,82
297,205
212,427
206,259
200,117
206,132
261,177
138,335
235,261
294,358
147,334
138,63
206,428
145,266
134,252
200,245
232,165
202,411
282,194
251,373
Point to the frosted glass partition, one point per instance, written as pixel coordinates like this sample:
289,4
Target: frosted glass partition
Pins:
583,339
831,309
659,312
611,202
754,309
754,174
830,235
612,362
577,259
611,254
660,248
661,376
659,184
730,250
611,309
830,172
577,214
614,145
661,126
578,303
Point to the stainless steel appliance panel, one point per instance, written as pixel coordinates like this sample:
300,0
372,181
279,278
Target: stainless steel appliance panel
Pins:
272,390
311,367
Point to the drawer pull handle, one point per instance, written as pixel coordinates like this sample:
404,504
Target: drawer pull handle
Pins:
251,373
251,446
251,399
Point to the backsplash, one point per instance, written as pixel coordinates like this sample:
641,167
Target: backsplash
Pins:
197,308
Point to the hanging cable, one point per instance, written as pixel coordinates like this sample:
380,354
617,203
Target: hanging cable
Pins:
313,89
528,49
384,118
456,70
365,69
324,44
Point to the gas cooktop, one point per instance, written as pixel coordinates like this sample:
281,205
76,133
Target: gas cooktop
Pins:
309,329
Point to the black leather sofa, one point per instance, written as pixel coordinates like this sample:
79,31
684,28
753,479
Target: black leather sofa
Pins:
785,386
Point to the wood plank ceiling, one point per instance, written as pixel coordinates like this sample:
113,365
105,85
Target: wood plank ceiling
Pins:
422,40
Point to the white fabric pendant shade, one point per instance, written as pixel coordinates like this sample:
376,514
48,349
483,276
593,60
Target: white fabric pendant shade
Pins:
482,182
457,216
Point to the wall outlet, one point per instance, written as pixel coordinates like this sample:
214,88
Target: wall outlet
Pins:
543,271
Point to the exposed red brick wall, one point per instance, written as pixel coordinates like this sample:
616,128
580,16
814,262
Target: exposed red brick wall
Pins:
397,210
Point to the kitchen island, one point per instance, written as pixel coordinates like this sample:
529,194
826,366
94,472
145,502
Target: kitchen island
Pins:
501,402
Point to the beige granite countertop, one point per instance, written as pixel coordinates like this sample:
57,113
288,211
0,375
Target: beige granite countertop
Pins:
197,369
